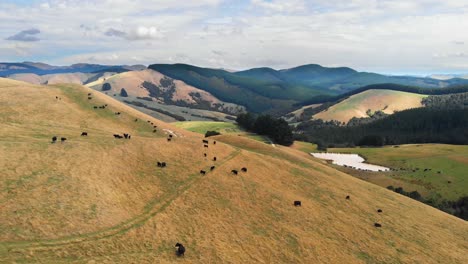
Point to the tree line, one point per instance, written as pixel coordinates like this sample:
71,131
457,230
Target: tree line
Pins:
420,125
276,129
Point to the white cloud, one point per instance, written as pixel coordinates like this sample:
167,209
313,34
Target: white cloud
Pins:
373,35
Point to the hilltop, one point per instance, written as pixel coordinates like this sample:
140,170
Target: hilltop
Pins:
368,102
103,200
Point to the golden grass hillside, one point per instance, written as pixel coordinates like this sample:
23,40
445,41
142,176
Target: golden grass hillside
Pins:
357,105
97,199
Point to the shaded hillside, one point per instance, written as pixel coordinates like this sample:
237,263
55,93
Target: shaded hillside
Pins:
98,199
256,94
340,79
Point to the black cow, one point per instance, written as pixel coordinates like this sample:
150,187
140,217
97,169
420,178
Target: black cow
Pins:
155,126
95,107
214,159
136,119
169,139
148,121
89,97
234,172
129,136
377,225
117,136
56,97
348,197
379,210
212,167
159,164
170,136
180,250
204,154
63,139
125,135
205,146
154,131
163,164
244,169
202,172
214,142
54,139
84,134
205,141
297,203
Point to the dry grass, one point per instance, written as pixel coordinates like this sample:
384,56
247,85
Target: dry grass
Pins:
100,200
357,105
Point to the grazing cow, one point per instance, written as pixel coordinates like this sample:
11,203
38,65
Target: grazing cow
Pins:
297,203
205,141
117,113
95,107
214,142
136,119
84,134
63,139
379,211
148,121
377,225
129,136
204,154
348,197
439,172
56,97
169,139
117,136
212,168
234,172
125,136
89,97
155,126
205,146
54,139
202,172
244,169
159,164
180,250
170,136
89,94
154,131
449,182
214,159
163,164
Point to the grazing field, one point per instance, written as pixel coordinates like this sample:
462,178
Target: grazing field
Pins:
428,168
100,199
358,105
203,126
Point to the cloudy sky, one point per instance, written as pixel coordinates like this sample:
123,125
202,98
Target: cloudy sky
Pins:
387,36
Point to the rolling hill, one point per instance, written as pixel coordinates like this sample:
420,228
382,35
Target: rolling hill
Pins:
98,199
358,105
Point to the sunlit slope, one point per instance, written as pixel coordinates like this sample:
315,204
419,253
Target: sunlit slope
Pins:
97,199
358,105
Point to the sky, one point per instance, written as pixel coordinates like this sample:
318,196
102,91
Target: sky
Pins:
385,36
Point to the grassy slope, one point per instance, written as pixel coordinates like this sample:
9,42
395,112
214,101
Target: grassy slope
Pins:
101,200
357,105
450,160
203,126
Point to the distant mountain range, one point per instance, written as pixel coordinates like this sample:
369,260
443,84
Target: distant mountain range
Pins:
266,89
258,89
7,68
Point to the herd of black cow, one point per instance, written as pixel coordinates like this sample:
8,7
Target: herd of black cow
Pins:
180,249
